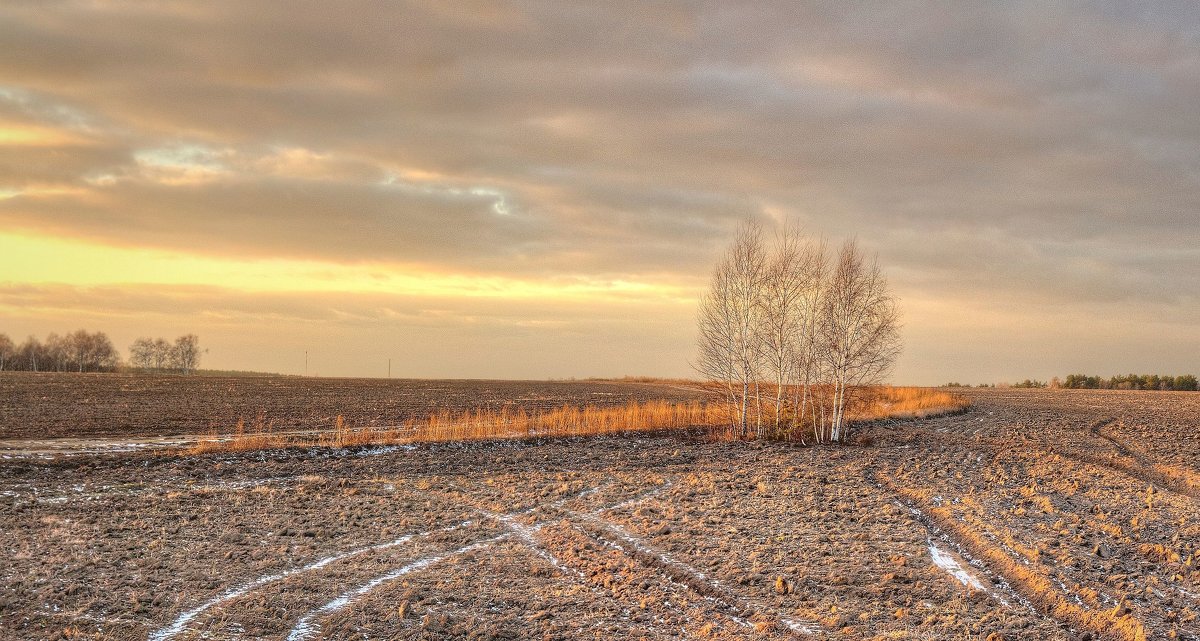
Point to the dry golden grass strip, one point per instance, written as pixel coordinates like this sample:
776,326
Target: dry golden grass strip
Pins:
905,402
710,419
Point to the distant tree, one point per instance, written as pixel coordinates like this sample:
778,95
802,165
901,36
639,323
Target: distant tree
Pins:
57,352
91,352
80,346
161,356
6,352
791,310
30,355
186,353
783,318
1164,382
103,355
141,353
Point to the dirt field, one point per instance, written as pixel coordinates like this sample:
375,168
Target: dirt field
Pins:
1035,515
35,406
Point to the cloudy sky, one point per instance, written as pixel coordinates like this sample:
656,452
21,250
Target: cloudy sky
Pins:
540,189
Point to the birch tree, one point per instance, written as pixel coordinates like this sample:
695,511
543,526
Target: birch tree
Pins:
730,333
791,290
141,353
161,356
6,352
186,353
859,330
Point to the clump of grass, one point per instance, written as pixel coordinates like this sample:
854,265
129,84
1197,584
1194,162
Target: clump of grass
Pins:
261,436
877,403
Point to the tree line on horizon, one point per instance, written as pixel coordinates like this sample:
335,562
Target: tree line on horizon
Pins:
83,351
1157,382
791,331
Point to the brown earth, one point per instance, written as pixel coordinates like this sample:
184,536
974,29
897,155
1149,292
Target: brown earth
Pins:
44,405
1068,512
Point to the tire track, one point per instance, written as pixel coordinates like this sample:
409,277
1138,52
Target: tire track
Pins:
934,531
1028,584
308,625
184,620
734,606
1134,464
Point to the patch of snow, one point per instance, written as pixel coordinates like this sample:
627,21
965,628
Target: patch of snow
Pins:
944,560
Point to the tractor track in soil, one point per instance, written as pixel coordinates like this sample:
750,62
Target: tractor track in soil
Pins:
1138,466
657,537
1034,590
590,524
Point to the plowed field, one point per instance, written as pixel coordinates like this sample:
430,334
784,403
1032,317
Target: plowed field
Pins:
35,406
1035,515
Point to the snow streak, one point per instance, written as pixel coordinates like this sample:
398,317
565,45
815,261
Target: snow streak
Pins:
307,626
181,622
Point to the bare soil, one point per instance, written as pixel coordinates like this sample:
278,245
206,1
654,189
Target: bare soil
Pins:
44,405
1034,515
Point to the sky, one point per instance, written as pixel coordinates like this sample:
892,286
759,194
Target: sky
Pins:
478,189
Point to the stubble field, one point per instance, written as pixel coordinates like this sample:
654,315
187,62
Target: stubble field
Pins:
1034,515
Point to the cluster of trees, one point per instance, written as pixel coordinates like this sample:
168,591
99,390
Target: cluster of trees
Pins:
1167,382
1185,382
79,351
156,354
790,331
82,351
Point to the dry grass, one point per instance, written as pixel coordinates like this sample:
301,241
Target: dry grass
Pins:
877,403
507,423
710,419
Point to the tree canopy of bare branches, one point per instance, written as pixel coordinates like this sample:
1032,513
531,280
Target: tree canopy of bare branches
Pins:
156,354
790,332
79,351
83,351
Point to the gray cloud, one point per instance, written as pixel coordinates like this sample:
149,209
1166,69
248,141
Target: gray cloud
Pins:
1040,151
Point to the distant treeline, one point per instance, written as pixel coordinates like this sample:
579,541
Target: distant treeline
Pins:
83,351
1183,383
156,354
79,351
1167,382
